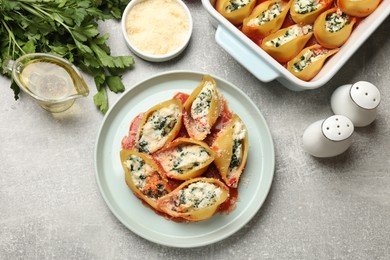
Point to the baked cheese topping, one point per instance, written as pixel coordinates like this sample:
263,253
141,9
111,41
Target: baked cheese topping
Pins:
236,5
292,33
200,108
309,57
267,15
306,6
336,21
145,178
157,127
184,158
238,138
197,195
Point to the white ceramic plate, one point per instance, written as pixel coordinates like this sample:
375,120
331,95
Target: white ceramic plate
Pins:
253,188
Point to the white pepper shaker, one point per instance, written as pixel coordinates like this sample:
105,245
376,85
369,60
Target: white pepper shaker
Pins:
357,101
328,137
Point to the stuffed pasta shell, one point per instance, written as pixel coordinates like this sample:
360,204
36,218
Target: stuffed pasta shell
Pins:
231,151
266,18
309,61
143,176
286,43
185,158
159,125
306,11
333,28
235,10
358,8
202,108
196,199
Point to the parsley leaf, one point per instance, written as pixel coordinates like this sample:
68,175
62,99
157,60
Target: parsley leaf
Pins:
101,100
115,84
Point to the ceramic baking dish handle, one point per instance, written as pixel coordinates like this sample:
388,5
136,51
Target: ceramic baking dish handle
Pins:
244,55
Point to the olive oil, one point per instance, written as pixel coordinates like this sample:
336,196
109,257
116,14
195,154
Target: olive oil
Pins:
53,82
49,79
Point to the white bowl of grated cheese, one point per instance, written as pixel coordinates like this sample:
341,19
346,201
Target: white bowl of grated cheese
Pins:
157,30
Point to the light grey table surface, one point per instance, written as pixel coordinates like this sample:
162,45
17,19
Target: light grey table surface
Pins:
337,208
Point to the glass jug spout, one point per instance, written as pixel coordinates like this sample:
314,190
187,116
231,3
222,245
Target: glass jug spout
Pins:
7,65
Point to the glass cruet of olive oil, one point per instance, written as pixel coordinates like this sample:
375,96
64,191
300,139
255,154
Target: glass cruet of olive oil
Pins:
52,81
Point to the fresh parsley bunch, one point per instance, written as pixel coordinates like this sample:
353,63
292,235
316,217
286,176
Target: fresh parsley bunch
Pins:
66,28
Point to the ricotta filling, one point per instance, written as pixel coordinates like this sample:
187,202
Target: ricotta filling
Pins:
309,57
184,158
267,15
200,108
197,195
139,170
336,21
236,5
145,178
306,6
156,130
292,33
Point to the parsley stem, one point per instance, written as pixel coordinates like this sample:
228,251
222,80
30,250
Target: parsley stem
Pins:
52,17
12,37
32,11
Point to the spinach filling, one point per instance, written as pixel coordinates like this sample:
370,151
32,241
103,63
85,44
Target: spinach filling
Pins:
156,192
142,147
164,124
235,161
208,198
304,8
204,101
136,163
147,180
157,127
236,4
180,167
271,14
336,21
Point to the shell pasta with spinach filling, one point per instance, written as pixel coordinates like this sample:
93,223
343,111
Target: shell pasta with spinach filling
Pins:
306,11
194,200
184,157
231,147
286,43
143,176
284,28
266,18
235,10
159,125
202,109
333,28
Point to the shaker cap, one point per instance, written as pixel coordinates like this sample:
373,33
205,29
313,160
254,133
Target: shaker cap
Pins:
337,128
365,94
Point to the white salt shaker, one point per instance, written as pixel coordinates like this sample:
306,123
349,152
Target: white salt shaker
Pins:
328,137
357,101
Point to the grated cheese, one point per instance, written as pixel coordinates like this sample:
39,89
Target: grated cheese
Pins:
157,26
